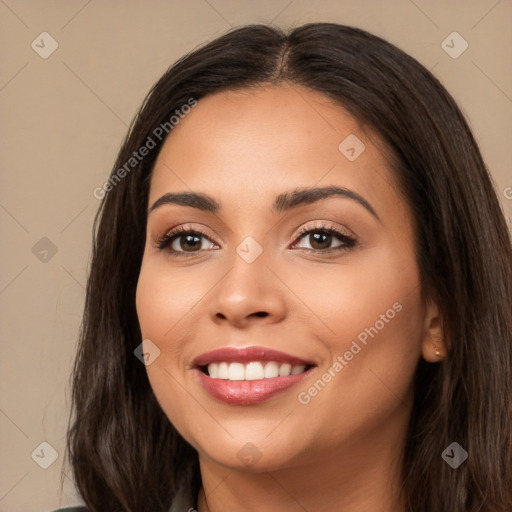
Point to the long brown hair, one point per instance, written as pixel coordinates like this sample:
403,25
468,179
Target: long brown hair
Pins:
125,453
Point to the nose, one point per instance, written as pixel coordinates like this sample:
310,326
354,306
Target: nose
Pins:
249,293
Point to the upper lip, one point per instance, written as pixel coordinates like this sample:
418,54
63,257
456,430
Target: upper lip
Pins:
247,355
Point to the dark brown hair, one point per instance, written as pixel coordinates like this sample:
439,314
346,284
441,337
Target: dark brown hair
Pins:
125,453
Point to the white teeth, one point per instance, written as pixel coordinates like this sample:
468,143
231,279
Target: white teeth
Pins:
223,371
236,371
213,370
298,369
255,370
285,370
271,370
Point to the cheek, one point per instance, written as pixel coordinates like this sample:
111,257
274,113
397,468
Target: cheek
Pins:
367,385
163,301
165,298
364,292
369,318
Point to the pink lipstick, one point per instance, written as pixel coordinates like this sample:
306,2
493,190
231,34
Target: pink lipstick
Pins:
244,376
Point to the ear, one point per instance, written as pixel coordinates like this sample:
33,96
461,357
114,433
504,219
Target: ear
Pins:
434,346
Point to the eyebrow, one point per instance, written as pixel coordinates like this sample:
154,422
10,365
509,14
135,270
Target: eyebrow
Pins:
283,202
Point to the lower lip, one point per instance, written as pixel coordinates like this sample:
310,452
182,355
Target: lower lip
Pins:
248,392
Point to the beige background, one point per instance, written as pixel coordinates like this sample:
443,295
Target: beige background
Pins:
63,119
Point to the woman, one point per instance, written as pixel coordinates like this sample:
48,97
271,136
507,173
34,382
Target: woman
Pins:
301,298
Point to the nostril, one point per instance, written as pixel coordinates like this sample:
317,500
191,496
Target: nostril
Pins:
261,314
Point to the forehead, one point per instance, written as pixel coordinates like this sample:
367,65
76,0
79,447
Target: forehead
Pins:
257,141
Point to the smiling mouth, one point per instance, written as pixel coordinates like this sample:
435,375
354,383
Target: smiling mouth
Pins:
254,370
245,376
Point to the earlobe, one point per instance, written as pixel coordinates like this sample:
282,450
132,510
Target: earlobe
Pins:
434,343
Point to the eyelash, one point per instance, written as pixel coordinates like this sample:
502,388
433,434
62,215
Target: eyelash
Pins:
348,242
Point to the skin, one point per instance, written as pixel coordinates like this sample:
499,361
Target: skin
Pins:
343,449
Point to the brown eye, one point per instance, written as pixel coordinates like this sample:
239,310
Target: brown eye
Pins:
181,241
187,243
324,239
320,241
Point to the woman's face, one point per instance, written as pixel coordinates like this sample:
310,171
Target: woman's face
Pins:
285,299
